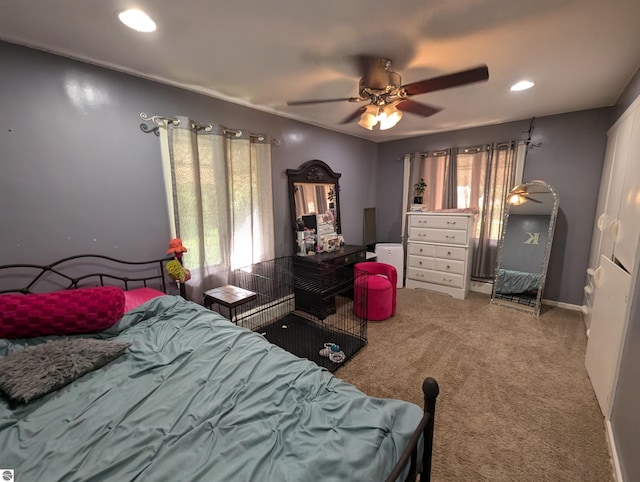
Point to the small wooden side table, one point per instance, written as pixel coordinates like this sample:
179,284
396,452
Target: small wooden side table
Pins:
230,297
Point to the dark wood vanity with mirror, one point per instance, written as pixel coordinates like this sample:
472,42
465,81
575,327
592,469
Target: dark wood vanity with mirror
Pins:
314,190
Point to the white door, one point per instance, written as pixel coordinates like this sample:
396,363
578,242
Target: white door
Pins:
601,221
608,327
628,227
609,221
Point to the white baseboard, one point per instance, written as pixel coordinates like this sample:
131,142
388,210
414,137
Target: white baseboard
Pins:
617,470
560,304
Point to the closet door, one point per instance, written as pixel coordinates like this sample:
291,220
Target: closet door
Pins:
599,222
603,195
628,224
608,328
608,222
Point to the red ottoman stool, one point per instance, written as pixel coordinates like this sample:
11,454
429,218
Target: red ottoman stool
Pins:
376,283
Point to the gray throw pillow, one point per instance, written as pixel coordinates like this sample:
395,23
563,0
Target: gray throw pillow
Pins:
38,370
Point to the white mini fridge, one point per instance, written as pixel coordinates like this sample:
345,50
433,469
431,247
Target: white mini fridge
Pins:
393,254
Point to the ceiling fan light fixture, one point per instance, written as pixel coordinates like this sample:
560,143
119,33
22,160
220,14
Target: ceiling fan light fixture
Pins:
517,199
522,85
389,116
137,20
369,118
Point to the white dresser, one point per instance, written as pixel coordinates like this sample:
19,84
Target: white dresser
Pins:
439,252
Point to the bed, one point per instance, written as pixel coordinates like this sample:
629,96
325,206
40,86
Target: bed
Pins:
192,396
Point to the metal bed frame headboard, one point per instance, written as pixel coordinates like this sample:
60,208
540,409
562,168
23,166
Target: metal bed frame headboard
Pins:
57,268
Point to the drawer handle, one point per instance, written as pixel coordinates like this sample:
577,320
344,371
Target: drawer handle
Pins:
451,222
447,280
420,250
448,253
419,275
448,267
420,263
347,260
450,237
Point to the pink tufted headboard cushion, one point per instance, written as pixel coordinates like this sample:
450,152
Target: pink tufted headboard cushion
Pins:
83,310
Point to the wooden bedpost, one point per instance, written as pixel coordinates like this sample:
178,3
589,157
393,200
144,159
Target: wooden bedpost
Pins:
431,390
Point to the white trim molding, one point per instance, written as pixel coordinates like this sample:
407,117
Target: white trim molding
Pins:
561,304
617,470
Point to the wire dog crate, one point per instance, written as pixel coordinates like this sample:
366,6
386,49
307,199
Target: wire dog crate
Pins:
285,310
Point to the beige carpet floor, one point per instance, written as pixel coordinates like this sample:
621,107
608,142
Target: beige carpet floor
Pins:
515,400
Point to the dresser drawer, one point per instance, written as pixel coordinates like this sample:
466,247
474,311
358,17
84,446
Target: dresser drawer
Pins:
421,262
445,222
422,249
436,277
449,265
438,235
347,259
449,252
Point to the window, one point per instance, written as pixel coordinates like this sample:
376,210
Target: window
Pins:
476,178
220,200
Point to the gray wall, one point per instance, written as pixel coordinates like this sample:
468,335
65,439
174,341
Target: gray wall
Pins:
77,175
567,152
625,416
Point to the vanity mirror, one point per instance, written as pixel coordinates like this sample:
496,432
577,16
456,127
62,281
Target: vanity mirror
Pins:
326,265
524,247
314,190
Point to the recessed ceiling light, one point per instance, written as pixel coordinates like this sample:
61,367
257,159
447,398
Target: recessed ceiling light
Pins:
522,85
137,20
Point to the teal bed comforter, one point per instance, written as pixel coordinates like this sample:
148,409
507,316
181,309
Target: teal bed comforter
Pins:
196,398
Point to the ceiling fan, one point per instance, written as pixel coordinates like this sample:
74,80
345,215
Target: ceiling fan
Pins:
520,194
387,98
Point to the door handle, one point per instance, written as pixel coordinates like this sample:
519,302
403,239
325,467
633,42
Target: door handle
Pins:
602,222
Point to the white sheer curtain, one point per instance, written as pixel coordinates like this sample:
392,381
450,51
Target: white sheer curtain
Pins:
220,199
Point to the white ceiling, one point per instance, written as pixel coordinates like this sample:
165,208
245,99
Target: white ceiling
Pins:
580,53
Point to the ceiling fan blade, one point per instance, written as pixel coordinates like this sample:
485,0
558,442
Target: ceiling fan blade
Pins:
417,108
528,197
469,76
353,116
322,101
